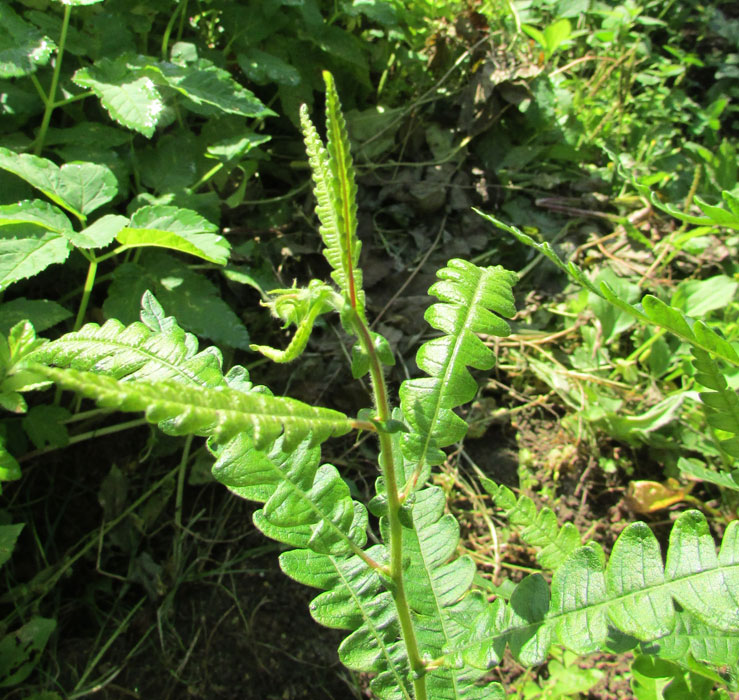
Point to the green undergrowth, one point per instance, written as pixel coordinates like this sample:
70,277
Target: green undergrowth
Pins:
155,208
415,620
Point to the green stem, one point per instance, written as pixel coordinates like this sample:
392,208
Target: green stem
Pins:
39,88
179,532
640,352
86,291
168,31
122,627
207,176
74,98
89,435
50,101
387,464
183,15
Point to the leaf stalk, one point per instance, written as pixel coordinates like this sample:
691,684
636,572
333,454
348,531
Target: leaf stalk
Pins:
50,101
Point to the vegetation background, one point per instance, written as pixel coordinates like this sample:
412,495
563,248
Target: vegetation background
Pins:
605,129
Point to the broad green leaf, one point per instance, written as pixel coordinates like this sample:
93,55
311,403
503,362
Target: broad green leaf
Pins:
535,34
263,67
20,650
26,250
222,413
128,89
20,102
381,11
172,163
86,186
204,83
556,34
80,188
234,148
100,233
719,215
344,47
78,43
14,350
637,428
42,313
695,468
697,297
10,470
36,213
188,295
92,135
44,425
177,229
8,537
130,98
22,47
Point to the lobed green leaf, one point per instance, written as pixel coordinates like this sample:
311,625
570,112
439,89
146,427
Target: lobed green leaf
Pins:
188,295
634,594
539,528
472,299
335,192
652,310
720,403
437,587
218,412
155,351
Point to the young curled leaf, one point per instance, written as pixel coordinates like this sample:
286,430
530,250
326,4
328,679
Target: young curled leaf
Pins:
299,307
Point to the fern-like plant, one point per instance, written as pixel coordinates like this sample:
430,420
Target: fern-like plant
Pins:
413,617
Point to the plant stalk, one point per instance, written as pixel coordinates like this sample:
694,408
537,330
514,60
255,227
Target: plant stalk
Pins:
50,102
387,464
86,292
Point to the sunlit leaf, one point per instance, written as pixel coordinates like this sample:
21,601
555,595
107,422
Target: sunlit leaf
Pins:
80,188
130,98
22,47
27,250
177,229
